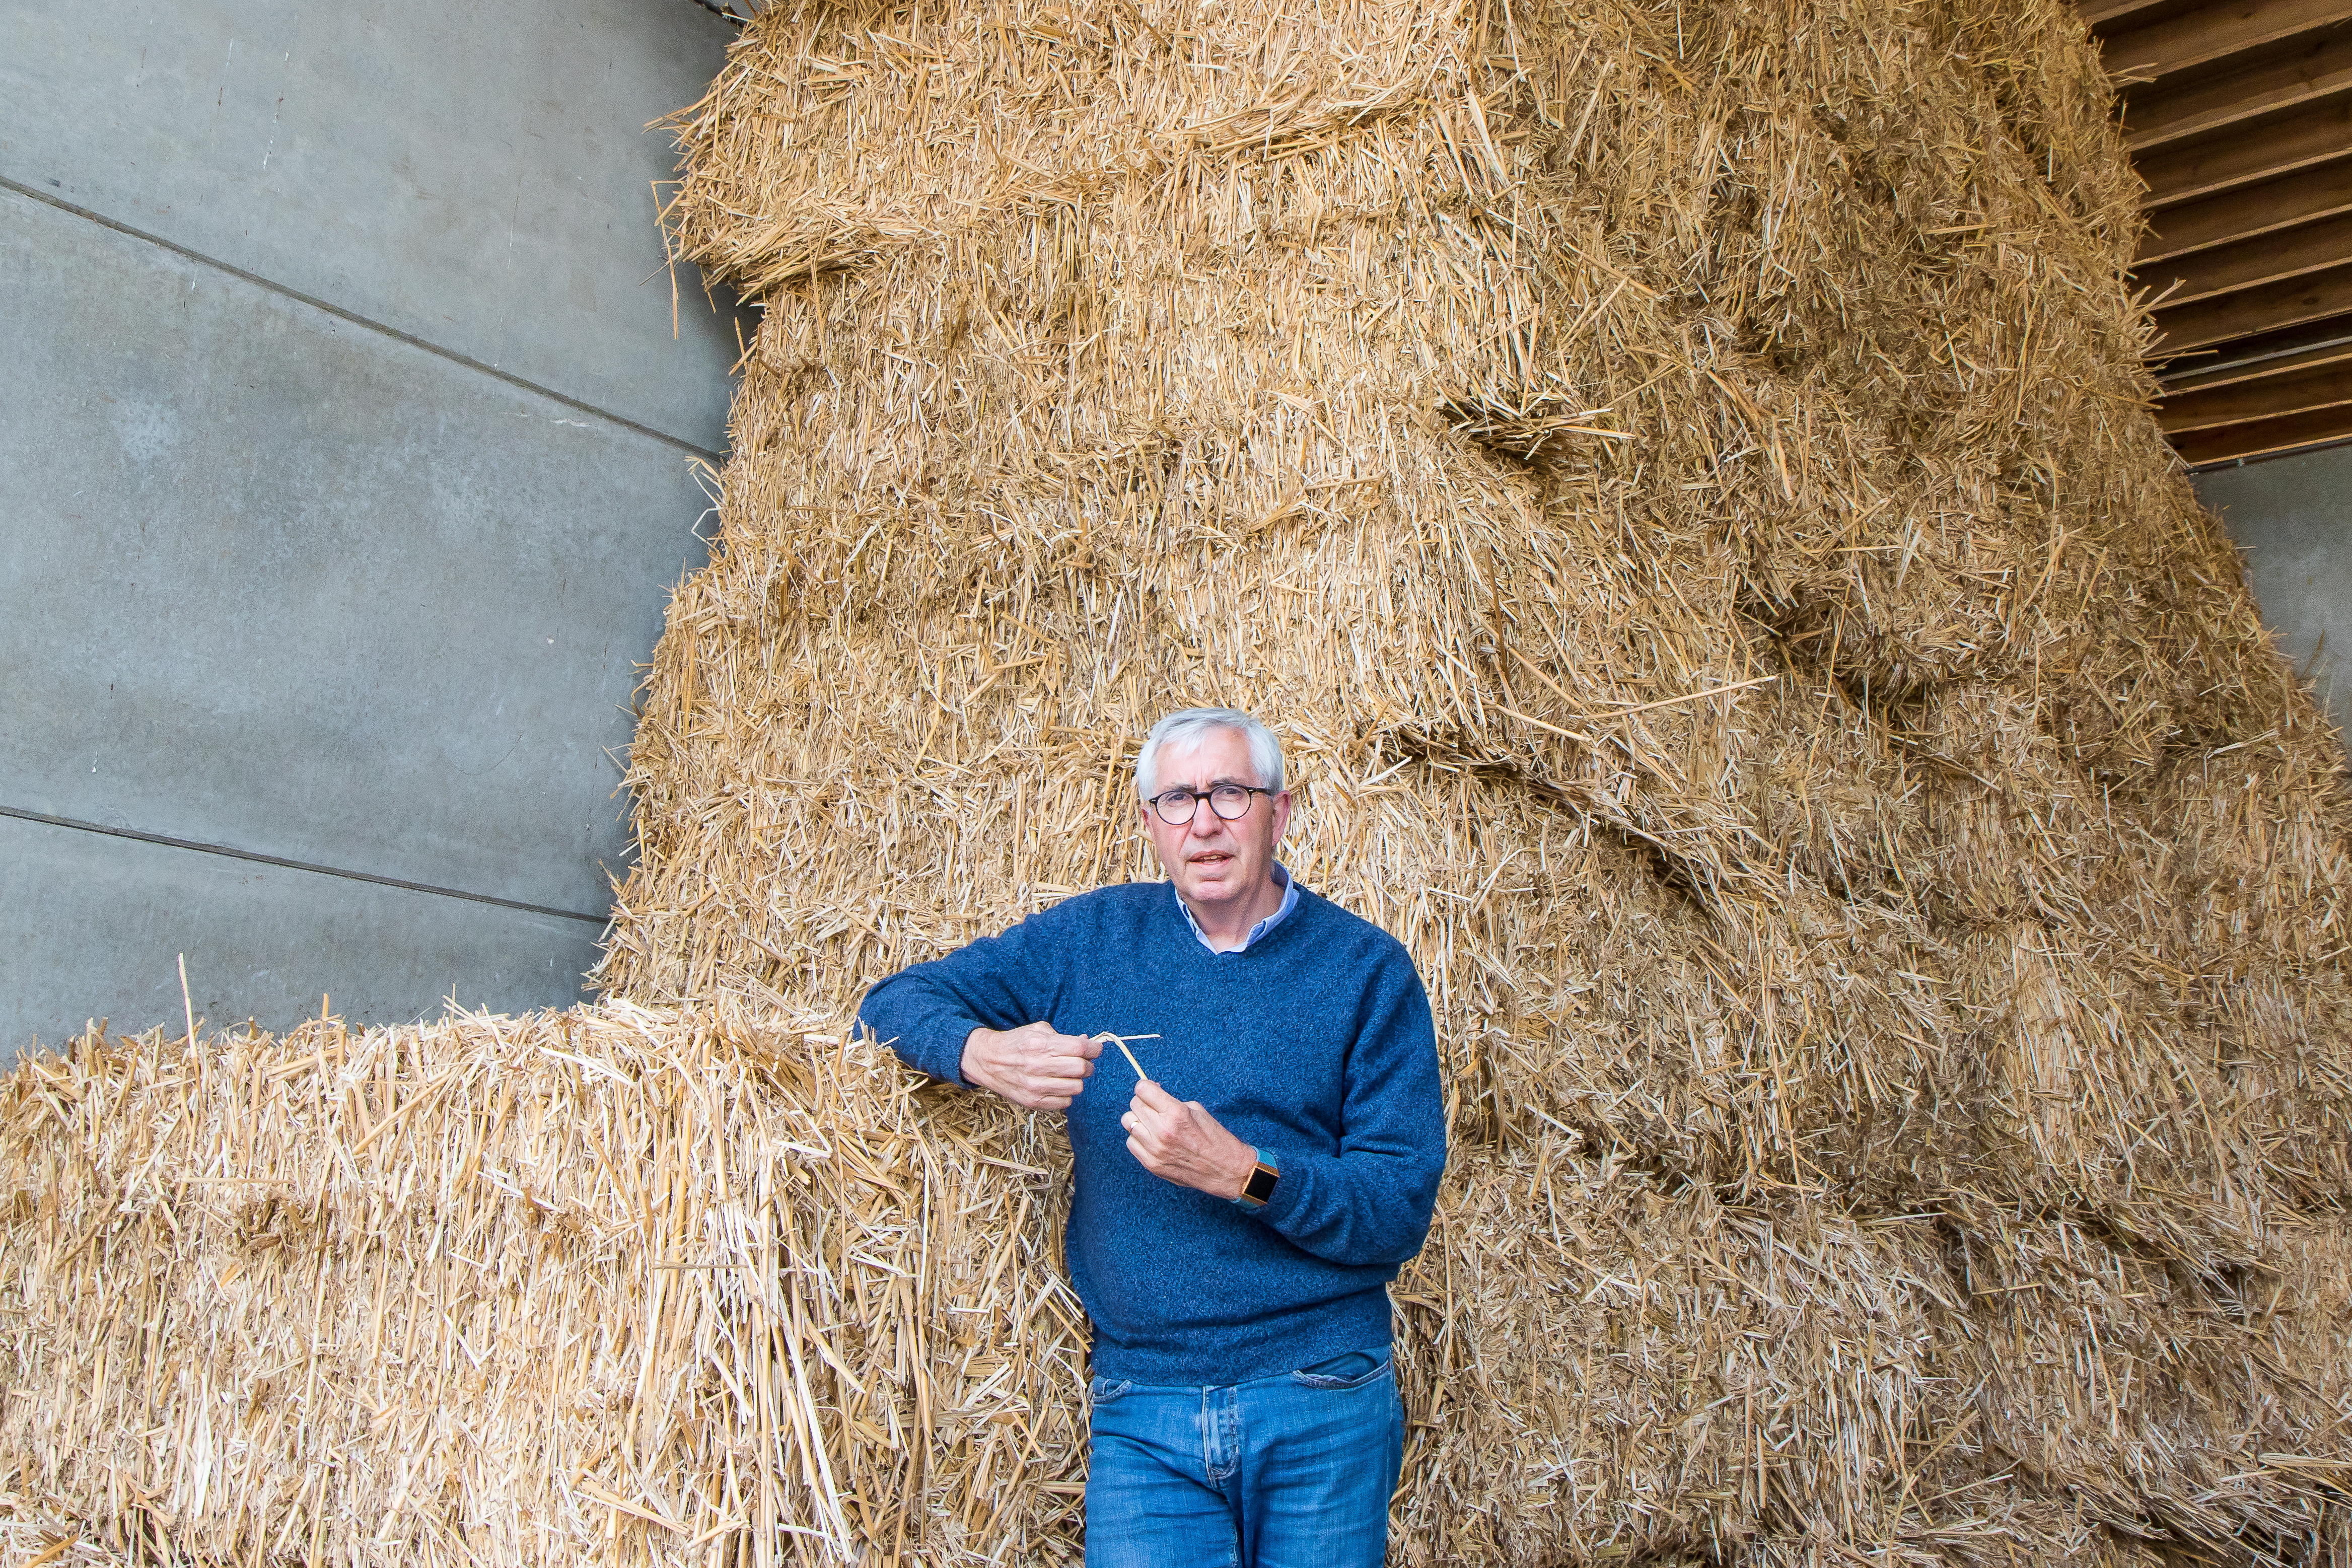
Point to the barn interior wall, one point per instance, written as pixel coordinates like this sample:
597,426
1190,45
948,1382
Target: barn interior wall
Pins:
2288,516
348,449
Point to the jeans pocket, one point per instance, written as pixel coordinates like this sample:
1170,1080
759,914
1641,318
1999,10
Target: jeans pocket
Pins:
1344,1372
1103,1390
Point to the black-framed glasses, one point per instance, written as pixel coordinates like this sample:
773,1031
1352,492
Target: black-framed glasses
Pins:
1231,802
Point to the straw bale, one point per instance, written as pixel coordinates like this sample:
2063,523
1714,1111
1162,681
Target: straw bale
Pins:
1659,1371
592,1285
2203,1413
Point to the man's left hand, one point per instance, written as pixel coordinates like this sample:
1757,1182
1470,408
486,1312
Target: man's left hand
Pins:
1178,1142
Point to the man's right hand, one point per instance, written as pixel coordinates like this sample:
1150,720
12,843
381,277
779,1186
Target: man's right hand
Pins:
1031,1066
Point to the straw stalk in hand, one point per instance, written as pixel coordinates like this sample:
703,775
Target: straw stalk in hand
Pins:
1177,1140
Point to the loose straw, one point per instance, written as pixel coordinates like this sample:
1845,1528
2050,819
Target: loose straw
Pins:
1639,707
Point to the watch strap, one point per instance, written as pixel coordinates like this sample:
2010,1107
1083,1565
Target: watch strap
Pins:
1259,1188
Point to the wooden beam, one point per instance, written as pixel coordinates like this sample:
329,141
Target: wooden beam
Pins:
2251,311
2212,33
2319,192
2263,438
2098,12
2289,253
2270,397
2260,151
2314,67
2246,359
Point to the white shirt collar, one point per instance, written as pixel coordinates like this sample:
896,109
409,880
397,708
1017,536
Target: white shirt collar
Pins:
1289,902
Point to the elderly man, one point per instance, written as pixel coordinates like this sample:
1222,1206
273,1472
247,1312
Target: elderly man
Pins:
1233,1245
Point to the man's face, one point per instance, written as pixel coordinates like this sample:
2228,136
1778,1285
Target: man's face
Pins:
1213,861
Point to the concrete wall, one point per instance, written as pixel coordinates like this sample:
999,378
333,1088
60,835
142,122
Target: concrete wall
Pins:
2292,517
348,443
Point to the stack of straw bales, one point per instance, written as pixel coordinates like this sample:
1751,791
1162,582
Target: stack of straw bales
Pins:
646,1284
1677,476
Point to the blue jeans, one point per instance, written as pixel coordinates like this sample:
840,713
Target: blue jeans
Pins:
1289,1471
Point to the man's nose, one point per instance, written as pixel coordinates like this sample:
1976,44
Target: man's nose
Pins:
1205,821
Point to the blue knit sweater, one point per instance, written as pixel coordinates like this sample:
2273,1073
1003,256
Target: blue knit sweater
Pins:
1313,1043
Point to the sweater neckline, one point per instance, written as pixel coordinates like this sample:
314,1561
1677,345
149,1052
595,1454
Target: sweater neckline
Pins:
1184,934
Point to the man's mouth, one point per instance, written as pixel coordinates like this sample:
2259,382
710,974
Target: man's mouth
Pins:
1211,857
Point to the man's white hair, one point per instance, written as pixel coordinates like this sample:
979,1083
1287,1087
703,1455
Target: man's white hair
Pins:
1187,727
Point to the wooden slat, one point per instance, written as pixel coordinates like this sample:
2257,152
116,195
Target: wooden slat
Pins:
2317,66
2271,398
2251,311
2263,436
2266,260
2317,193
2259,151
2099,11
2227,371
2245,359
2212,33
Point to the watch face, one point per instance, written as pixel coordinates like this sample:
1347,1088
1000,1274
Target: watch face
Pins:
1260,1186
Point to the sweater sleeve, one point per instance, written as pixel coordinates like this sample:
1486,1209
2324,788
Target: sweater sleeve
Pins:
926,1011
1370,1203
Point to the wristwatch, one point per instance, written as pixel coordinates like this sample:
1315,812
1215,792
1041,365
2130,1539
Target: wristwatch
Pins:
1259,1188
